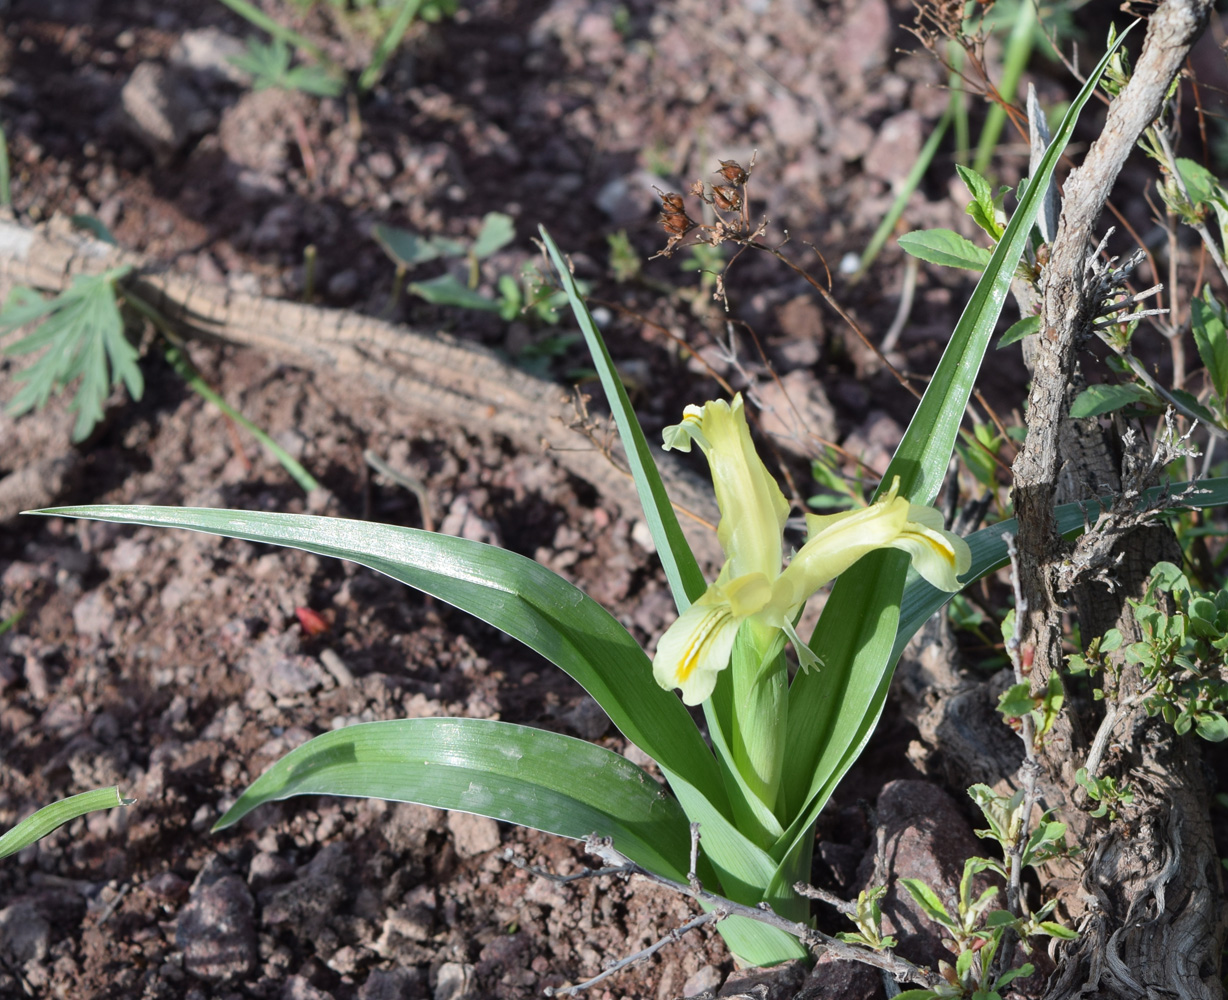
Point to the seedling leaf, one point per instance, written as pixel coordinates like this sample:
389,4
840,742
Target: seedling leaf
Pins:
49,818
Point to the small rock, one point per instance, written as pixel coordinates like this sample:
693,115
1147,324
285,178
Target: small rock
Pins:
896,148
93,615
311,900
343,284
216,930
846,980
795,410
473,835
267,868
299,988
454,981
781,981
25,935
208,52
588,719
463,521
926,837
706,979
162,110
282,675
396,984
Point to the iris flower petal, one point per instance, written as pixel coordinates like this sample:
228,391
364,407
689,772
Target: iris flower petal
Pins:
696,648
751,585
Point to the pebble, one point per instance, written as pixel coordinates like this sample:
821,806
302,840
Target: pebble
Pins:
216,930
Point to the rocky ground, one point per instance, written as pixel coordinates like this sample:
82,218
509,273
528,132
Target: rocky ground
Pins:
180,666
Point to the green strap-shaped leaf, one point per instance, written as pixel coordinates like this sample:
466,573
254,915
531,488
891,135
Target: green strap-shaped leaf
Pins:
833,709
525,776
38,825
507,590
685,579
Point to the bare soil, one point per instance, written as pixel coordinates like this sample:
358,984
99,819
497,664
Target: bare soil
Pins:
177,665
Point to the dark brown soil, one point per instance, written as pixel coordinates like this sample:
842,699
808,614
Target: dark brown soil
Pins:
176,665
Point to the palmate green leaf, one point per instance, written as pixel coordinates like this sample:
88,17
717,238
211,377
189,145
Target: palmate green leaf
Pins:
81,335
833,710
526,776
507,590
48,818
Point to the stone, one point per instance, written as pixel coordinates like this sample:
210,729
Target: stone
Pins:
25,934
395,984
216,930
162,110
473,835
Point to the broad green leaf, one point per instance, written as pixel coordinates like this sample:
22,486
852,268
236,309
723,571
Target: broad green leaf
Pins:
38,825
681,570
520,775
498,230
945,247
1019,329
449,290
833,710
1104,398
1058,931
507,590
1210,325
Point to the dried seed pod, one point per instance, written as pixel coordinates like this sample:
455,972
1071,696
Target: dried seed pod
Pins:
674,218
732,171
727,199
673,203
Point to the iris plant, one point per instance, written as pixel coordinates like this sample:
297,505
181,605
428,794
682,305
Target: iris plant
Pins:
756,816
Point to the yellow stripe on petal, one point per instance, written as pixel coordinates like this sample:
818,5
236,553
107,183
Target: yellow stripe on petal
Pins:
696,648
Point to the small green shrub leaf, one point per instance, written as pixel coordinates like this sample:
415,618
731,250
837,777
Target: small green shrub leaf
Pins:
1018,330
1098,399
945,247
1209,322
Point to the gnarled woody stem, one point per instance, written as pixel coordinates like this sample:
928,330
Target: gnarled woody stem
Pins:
1147,901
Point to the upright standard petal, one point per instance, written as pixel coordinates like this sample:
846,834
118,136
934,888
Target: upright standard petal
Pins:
753,510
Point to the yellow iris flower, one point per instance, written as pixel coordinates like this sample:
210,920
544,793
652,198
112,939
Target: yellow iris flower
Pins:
751,584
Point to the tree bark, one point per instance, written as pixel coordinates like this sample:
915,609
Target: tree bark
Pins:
1146,893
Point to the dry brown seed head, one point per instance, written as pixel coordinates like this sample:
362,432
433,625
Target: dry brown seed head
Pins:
733,172
728,199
